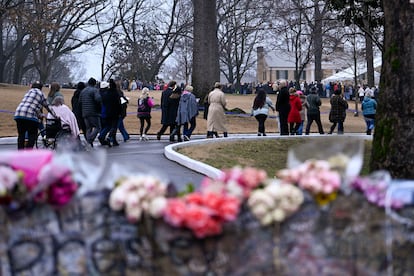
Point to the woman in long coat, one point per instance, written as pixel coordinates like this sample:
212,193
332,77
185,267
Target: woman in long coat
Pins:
216,116
338,112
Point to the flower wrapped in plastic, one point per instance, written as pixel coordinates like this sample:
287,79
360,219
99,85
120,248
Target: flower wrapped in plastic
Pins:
374,188
237,181
34,176
275,202
202,213
137,195
324,166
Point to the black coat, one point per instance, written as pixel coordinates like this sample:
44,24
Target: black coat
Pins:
169,105
111,104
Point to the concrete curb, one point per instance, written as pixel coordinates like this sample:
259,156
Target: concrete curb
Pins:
171,153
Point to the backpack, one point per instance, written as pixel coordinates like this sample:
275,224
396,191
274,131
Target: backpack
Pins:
142,106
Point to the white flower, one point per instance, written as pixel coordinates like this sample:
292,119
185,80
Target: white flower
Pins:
234,189
133,213
260,196
157,207
278,215
259,210
266,219
8,178
117,199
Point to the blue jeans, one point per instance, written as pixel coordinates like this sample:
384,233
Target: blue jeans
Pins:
187,131
93,127
122,129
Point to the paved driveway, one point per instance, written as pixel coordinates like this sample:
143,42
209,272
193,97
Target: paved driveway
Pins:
145,156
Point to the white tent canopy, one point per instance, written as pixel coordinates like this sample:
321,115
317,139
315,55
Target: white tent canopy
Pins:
349,73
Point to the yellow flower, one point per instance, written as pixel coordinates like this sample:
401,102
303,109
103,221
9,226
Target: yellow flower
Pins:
323,199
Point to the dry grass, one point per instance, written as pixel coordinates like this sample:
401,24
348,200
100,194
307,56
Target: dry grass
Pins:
12,94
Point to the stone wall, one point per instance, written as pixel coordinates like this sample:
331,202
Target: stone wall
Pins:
87,238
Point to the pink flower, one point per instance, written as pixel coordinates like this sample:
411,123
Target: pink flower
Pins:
200,221
30,162
174,212
211,227
229,208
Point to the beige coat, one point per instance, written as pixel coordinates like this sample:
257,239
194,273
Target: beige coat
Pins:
216,116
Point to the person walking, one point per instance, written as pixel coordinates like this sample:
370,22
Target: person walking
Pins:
294,118
28,114
187,112
124,107
216,112
145,103
54,91
76,108
283,107
111,104
91,103
337,114
170,99
260,110
313,103
369,109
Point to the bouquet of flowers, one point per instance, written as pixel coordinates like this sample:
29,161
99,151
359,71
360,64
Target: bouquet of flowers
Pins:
139,195
316,177
34,176
374,188
237,181
203,211
275,202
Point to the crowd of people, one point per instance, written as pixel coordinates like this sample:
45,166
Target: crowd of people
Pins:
295,106
99,109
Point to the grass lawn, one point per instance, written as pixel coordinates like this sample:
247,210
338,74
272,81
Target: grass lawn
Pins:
269,154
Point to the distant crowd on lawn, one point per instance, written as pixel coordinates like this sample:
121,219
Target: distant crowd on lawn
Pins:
324,90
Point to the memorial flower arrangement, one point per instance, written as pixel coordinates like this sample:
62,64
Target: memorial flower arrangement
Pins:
275,202
319,177
374,189
139,195
33,176
203,211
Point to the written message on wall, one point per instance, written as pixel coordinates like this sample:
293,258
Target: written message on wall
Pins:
87,238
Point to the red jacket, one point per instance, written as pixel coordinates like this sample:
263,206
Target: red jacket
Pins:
295,107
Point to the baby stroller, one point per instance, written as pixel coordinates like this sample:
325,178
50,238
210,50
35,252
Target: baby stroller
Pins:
53,135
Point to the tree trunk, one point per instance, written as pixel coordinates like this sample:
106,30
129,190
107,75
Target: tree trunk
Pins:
369,52
206,68
370,60
317,38
393,147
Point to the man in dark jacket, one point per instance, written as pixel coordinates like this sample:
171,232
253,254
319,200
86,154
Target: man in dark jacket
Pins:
283,107
91,104
312,104
111,105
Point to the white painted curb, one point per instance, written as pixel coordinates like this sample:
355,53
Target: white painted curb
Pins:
171,153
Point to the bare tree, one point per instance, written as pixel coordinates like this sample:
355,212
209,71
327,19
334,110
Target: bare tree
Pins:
393,149
368,16
241,27
102,21
12,34
149,36
55,29
183,55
